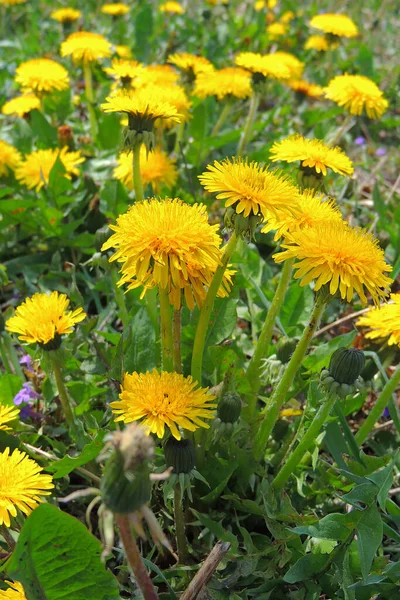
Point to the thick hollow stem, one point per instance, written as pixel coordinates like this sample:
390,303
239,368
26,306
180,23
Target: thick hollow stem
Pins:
176,333
379,407
279,395
261,350
4,531
181,541
222,117
62,393
137,176
134,559
305,443
119,297
167,346
254,102
87,73
206,309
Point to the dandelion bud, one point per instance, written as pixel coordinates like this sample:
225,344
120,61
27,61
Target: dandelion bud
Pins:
125,485
243,226
285,348
308,178
343,374
229,407
101,236
180,455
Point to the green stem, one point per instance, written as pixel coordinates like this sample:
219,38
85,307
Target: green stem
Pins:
254,102
308,439
62,392
222,117
87,73
167,345
181,541
206,309
13,356
176,333
3,353
341,130
379,407
261,350
137,176
11,543
134,559
119,297
179,137
279,395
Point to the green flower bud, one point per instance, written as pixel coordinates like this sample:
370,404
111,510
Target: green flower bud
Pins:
243,226
229,407
180,455
346,364
101,236
309,179
285,348
53,344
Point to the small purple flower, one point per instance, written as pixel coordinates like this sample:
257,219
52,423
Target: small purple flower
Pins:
386,414
380,152
26,361
26,395
359,141
27,412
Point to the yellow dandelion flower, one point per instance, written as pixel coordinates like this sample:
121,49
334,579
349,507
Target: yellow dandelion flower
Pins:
317,42
9,158
43,318
21,484
335,24
174,95
287,16
156,168
35,169
11,2
66,15
314,154
223,82
250,187
290,412
295,66
345,258
86,47
21,105
260,5
143,107
162,75
42,75
312,209
191,63
123,51
384,321
356,93
7,414
306,88
268,65
117,9
15,591
164,399
125,71
168,243
276,29
172,7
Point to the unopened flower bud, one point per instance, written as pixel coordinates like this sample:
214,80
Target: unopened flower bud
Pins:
229,407
309,179
343,374
285,348
180,455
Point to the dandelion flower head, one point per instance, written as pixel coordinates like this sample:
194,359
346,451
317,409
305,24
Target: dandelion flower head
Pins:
42,75
275,30
191,63
156,168
302,86
231,81
7,414
9,158
44,317
317,42
34,170
167,243
116,9
313,209
384,321
162,75
11,2
15,591
125,71
123,51
268,65
66,15
347,259
356,93
21,105
21,484
86,47
250,187
295,66
335,24
172,7
312,153
162,400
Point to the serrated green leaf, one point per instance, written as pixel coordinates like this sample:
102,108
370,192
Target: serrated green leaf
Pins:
67,464
306,567
369,537
336,527
383,479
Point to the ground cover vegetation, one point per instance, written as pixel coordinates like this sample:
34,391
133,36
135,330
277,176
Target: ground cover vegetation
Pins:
200,303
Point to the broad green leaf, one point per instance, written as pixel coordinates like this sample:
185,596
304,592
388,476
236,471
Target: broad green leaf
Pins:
8,441
364,493
140,354
222,320
56,558
369,537
218,530
62,467
45,133
383,479
335,526
217,491
10,385
306,567
319,358
296,308
143,32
